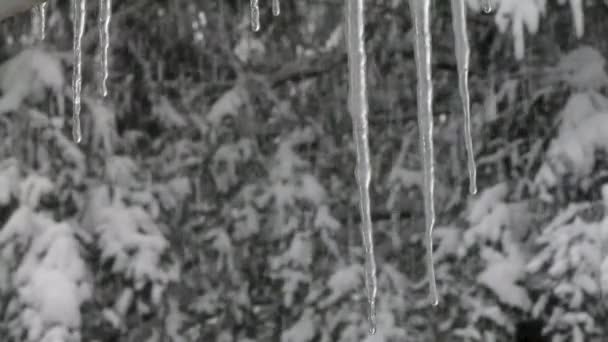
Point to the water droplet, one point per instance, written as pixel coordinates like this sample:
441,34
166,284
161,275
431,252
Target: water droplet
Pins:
372,330
76,130
276,7
487,6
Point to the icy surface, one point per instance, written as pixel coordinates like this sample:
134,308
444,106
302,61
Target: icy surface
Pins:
80,13
255,15
420,10
359,110
105,17
461,42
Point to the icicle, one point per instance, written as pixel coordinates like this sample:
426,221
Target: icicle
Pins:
461,43
42,8
276,7
80,13
359,110
39,21
255,15
105,17
420,10
36,21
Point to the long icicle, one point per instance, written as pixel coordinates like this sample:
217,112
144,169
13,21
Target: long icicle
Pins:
42,8
276,7
359,110
105,17
80,13
255,15
421,10
461,43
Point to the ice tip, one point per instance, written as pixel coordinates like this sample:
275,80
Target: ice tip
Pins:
372,329
434,298
372,317
77,137
76,132
487,6
435,302
473,188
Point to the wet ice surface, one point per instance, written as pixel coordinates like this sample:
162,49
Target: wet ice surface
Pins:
358,107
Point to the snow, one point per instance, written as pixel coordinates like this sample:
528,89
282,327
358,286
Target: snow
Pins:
51,278
481,206
129,237
501,276
303,330
32,188
343,281
583,69
28,74
230,102
450,239
52,293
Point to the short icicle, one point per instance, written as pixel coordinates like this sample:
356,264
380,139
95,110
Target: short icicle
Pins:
255,15
420,10
276,7
359,110
80,13
42,9
105,17
39,21
461,43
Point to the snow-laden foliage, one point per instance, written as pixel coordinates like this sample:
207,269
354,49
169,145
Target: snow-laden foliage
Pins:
212,198
133,245
42,263
537,252
524,16
582,121
573,266
28,76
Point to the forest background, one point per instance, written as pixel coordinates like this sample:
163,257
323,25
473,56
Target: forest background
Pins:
213,197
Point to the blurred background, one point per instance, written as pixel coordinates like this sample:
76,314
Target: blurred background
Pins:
213,197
